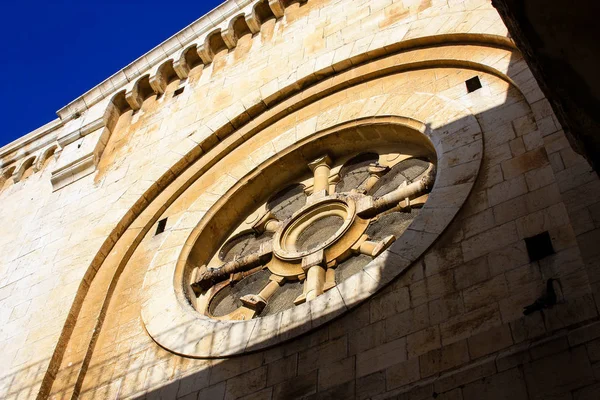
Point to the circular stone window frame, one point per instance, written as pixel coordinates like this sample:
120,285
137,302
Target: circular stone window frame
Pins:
174,324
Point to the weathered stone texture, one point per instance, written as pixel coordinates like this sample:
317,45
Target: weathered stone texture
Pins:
449,327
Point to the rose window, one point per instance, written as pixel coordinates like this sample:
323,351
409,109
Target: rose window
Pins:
320,229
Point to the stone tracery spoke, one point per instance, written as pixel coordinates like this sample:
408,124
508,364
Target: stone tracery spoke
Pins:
253,304
206,278
372,206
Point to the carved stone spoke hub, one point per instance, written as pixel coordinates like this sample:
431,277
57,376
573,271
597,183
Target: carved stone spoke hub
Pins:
314,234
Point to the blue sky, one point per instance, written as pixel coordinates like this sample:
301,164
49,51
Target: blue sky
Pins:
52,52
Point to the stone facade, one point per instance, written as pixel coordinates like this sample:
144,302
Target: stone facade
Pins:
108,211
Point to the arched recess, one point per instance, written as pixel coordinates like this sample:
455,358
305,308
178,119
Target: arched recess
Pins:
214,44
187,60
44,156
263,12
164,75
25,169
185,173
139,93
238,28
6,178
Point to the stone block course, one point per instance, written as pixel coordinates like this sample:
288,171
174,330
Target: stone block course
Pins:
558,373
503,386
489,241
445,358
489,342
485,293
470,323
462,376
409,321
299,387
444,308
423,341
247,383
402,374
380,357
336,373
326,353
282,369
370,385
525,162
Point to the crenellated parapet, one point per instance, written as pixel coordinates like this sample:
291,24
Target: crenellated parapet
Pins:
80,134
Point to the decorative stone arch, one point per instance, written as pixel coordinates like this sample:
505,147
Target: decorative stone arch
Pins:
262,11
44,155
6,176
25,165
189,334
187,60
184,170
237,28
140,91
162,76
213,44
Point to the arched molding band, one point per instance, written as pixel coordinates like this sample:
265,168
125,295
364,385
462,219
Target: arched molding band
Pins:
35,161
191,334
180,175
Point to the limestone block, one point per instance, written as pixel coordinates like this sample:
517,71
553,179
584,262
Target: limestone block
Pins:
298,387
447,357
490,342
282,370
380,357
315,358
423,341
469,324
509,383
558,373
402,373
475,371
482,294
337,373
247,383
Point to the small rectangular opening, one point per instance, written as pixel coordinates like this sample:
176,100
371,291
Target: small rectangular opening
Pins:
539,246
473,84
178,91
162,224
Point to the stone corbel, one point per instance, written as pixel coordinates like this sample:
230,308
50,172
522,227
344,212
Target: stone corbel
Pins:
134,98
20,170
229,38
205,54
157,80
253,23
39,162
181,67
277,8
